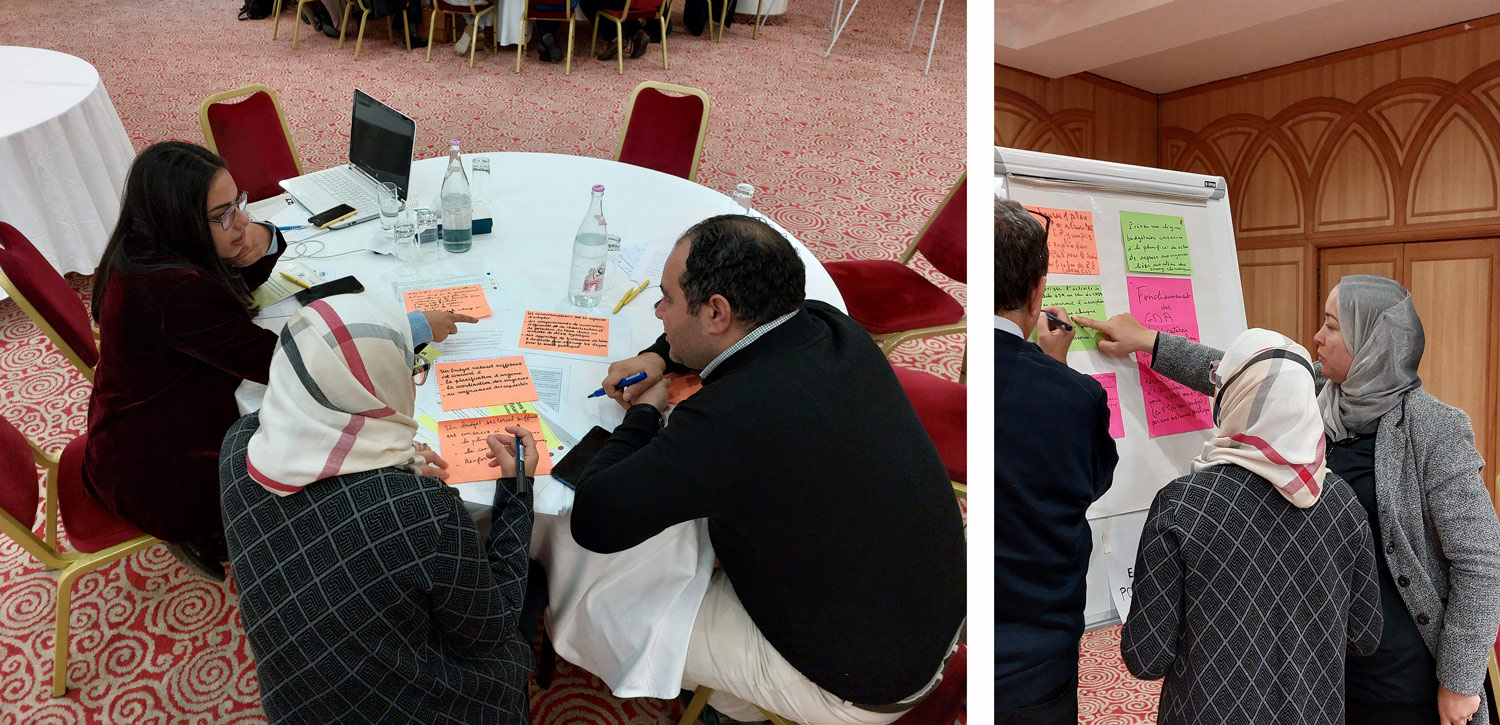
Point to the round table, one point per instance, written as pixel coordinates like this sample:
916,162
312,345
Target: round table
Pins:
65,155
537,201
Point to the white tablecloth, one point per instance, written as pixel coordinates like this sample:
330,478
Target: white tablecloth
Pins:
768,7
625,617
63,155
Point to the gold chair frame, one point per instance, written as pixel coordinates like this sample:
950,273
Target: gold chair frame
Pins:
662,13
474,44
521,45
700,699
889,341
208,131
74,564
673,88
51,333
390,25
296,24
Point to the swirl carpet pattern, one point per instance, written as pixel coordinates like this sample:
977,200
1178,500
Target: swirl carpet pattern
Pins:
850,154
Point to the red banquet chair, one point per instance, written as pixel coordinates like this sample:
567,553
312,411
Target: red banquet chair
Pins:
894,302
252,137
47,299
665,132
466,7
658,10
95,535
944,706
942,406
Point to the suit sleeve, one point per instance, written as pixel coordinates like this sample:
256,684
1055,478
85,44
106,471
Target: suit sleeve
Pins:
646,478
1469,538
1149,638
205,320
1366,620
1185,361
477,595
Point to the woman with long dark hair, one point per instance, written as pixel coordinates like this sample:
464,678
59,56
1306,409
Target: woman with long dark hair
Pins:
172,299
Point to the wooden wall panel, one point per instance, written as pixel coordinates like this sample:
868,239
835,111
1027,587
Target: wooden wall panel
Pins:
1081,116
1276,291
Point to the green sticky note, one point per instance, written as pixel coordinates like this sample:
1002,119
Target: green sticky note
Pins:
1078,299
1155,243
427,422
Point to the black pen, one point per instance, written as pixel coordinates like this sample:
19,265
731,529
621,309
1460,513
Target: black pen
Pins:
523,486
1057,322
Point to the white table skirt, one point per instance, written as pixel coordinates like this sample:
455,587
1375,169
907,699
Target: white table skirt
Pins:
625,617
63,156
768,7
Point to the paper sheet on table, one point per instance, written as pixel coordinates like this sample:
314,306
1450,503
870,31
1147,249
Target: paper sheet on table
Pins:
1112,390
1078,299
471,344
465,300
1071,246
550,381
295,215
562,332
463,445
277,287
485,279
475,383
643,261
1155,243
1166,305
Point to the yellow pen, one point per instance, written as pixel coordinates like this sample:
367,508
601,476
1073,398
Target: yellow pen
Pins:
296,281
631,295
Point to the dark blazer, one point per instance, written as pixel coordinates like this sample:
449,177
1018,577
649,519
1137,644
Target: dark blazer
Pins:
1053,457
175,344
367,597
826,503
1248,604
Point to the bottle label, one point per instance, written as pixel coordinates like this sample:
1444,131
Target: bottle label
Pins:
601,220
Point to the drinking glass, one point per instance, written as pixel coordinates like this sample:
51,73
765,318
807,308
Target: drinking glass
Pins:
405,229
391,204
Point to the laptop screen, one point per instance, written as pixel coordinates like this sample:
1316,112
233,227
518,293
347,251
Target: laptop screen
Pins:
381,141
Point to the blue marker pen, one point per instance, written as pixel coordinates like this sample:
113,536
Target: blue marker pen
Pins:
627,382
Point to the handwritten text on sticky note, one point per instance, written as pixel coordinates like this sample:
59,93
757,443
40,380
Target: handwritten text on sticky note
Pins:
466,300
464,445
477,383
1071,248
559,332
1112,390
1078,299
1166,305
1155,243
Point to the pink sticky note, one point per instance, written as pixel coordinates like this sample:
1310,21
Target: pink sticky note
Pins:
1166,305
1112,390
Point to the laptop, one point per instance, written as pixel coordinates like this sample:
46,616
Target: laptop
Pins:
381,143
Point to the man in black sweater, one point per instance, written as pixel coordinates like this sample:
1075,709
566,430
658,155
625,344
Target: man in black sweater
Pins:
841,592
1053,457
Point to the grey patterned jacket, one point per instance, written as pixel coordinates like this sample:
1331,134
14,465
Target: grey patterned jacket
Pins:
1442,540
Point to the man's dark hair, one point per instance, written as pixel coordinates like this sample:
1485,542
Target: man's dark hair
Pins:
1020,255
748,262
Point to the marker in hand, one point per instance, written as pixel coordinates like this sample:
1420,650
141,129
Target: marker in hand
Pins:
522,484
1057,322
623,384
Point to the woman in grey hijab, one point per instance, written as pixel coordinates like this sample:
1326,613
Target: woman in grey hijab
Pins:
1412,463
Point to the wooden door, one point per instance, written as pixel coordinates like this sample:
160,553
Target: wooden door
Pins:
1277,288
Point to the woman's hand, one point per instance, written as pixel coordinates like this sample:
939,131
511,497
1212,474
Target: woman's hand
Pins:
1455,709
1120,335
503,451
433,465
257,242
444,322
647,362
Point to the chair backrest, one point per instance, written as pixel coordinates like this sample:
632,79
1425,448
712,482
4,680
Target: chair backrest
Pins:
944,239
665,132
18,481
47,299
252,137
942,406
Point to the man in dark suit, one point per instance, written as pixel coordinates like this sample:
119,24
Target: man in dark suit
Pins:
841,592
1053,457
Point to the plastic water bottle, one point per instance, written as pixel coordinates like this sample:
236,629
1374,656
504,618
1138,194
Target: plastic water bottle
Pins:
743,195
458,209
590,251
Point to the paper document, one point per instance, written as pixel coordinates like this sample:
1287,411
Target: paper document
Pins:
562,332
477,383
642,262
466,448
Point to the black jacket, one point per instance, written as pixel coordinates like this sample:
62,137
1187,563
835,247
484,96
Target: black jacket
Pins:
827,504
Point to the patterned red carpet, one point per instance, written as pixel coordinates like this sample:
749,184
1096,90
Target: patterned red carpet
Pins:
851,154
1107,694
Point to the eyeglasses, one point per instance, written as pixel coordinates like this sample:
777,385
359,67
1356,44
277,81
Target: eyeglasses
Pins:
1046,222
420,370
227,217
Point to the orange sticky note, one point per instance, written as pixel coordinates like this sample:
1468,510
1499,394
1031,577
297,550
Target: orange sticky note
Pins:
1071,246
465,446
561,332
681,387
466,300
478,383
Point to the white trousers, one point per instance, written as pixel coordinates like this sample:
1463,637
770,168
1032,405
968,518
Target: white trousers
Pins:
728,653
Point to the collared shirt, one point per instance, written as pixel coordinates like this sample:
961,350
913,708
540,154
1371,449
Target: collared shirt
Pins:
745,342
1002,323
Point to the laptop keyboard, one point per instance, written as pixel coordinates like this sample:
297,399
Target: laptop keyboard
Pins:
344,188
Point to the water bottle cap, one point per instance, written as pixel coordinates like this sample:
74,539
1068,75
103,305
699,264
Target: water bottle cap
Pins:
598,188
452,142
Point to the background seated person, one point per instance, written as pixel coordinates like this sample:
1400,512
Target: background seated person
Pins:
842,588
363,586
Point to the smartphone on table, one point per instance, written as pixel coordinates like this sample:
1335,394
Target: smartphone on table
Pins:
571,467
325,219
